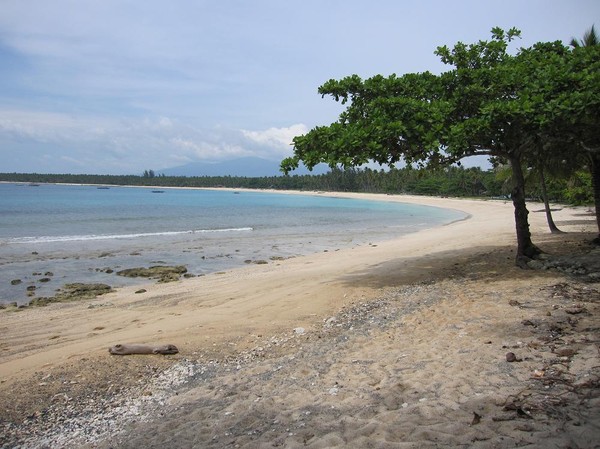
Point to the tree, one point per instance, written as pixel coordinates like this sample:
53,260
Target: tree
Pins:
589,136
589,38
490,103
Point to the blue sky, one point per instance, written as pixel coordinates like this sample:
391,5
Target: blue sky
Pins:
120,86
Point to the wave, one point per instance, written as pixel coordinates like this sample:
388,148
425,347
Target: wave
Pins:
75,238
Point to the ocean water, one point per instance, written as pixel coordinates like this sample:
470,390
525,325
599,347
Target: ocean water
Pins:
66,233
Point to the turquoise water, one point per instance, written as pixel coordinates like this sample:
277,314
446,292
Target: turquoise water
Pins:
77,232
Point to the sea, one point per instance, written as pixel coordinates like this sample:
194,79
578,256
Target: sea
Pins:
52,234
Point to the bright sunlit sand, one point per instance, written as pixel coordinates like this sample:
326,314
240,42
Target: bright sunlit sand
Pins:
400,343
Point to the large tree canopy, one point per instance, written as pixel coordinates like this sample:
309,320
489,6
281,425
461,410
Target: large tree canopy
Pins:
536,105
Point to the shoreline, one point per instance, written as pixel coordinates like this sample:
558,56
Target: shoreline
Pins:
221,316
94,263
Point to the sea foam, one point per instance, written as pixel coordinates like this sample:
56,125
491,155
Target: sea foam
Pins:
75,238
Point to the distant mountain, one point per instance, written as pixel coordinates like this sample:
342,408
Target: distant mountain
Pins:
250,167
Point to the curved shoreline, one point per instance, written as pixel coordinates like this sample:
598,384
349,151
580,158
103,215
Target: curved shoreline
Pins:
87,258
465,266
217,288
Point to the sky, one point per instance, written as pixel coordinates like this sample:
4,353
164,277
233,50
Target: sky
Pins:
122,86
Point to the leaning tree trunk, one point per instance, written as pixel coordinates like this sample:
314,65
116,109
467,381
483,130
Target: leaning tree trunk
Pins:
526,250
553,228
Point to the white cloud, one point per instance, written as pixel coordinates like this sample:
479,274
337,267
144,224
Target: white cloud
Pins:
122,86
208,150
276,137
101,145
48,126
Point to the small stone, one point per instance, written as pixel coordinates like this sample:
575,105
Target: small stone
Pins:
575,310
566,352
511,357
476,419
299,331
141,290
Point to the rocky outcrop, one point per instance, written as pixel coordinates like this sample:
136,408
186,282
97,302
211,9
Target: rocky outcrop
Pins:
73,292
161,272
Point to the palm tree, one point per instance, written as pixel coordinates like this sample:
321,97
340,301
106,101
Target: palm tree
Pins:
589,38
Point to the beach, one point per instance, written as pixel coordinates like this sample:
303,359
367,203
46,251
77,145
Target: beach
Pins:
402,343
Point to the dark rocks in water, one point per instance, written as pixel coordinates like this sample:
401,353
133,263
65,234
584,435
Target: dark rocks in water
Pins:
49,273
257,262
15,282
45,280
10,305
160,272
31,288
73,292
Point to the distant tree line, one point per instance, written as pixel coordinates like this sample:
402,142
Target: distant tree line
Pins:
449,181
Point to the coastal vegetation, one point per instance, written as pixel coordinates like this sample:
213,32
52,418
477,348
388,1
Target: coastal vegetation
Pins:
534,110
449,181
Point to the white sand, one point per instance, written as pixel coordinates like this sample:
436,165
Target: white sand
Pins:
414,382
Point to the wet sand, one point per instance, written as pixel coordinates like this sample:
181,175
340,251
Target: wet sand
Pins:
394,344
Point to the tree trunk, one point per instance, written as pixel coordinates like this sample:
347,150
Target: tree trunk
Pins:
526,250
595,169
553,228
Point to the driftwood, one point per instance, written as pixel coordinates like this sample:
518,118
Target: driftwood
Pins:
134,348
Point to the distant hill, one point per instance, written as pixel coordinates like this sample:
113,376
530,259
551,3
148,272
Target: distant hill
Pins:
251,167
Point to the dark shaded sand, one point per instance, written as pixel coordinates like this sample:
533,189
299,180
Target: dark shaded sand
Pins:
392,345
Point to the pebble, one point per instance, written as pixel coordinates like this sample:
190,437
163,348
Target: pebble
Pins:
146,401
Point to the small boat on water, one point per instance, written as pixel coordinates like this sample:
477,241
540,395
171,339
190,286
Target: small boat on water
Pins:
158,191
103,188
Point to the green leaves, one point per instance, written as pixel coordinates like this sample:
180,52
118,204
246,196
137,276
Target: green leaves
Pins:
491,102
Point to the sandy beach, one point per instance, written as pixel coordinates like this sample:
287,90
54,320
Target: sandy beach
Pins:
396,344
